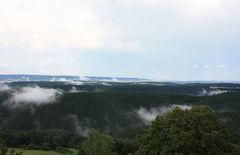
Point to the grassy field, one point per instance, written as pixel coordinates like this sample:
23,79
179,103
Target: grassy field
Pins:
39,152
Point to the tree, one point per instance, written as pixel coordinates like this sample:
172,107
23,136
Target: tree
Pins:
184,132
3,147
98,144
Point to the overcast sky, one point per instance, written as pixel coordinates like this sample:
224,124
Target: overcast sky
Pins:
156,39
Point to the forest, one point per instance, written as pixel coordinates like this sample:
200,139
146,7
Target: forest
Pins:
121,118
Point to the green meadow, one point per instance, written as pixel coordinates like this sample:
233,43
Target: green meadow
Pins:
40,152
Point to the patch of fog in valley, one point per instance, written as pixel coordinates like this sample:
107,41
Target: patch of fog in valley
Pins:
148,115
75,90
77,83
212,92
4,87
32,96
83,131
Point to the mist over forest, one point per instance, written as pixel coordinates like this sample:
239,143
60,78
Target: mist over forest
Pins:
122,109
119,77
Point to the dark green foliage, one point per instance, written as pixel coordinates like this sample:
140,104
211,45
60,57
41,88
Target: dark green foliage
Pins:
98,144
113,109
236,149
231,119
126,146
81,151
110,109
196,131
42,140
46,146
32,147
3,147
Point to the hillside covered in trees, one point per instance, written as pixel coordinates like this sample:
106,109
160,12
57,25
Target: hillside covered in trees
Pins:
48,115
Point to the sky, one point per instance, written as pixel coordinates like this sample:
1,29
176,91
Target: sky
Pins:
154,39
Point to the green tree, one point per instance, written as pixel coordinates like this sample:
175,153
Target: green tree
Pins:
98,144
3,147
183,132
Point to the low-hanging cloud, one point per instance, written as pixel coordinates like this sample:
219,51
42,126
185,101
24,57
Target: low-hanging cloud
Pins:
77,83
205,92
4,87
75,90
148,115
80,130
33,96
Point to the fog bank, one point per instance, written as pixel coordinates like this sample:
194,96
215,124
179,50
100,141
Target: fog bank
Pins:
80,130
34,96
148,115
4,87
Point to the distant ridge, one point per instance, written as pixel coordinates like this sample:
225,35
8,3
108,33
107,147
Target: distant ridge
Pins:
26,77
62,78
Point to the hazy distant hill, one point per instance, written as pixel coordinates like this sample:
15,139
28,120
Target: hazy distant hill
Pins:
23,77
118,108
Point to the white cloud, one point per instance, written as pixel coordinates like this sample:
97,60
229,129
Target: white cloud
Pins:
206,66
77,83
149,115
195,8
3,65
47,25
33,96
64,36
127,46
4,87
59,25
59,64
51,24
212,92
222,66
206,8
83,131
196,66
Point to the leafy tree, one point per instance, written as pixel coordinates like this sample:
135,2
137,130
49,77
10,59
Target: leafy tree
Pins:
98,144
41,139
3,147
184,132
125,146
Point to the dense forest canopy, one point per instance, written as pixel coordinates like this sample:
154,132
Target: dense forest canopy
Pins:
45,115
